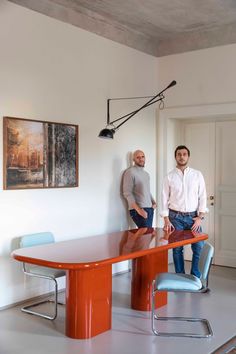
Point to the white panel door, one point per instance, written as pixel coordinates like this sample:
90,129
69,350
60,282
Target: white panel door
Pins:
213,152
200,139
225,203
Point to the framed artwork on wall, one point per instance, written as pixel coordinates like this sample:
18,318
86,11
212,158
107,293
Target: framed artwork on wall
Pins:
39,154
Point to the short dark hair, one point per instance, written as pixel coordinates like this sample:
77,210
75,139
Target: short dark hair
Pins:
181,147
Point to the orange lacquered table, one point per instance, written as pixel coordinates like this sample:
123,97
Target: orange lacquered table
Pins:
88,264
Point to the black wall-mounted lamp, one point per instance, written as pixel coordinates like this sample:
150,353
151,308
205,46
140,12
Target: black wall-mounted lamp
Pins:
109,131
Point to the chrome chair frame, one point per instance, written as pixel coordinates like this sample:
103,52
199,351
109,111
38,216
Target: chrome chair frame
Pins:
55,274
204,321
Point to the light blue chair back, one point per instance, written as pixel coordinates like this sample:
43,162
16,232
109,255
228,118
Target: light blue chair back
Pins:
205,260
40,238
30,240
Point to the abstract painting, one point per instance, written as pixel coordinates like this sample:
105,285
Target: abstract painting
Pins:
39,154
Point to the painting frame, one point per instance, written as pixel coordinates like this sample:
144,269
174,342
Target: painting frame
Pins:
39,154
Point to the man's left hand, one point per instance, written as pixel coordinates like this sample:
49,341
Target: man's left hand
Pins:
197,224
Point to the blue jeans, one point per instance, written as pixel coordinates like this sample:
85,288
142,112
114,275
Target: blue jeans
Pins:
185,222
139,220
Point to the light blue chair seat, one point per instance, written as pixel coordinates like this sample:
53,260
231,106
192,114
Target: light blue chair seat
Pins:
32,270
184,283
178,282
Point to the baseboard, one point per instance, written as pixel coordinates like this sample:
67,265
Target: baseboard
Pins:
35,298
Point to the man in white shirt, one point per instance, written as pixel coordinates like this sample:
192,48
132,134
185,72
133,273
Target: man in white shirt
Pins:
184,205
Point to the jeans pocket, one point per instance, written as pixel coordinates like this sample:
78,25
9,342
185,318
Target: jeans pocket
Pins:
172,215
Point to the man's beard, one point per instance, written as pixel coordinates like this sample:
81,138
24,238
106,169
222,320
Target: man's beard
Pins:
140,164
182,163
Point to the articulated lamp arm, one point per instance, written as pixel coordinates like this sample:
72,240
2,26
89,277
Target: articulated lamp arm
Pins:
108,133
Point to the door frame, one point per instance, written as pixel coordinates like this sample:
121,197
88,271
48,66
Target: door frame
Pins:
168,134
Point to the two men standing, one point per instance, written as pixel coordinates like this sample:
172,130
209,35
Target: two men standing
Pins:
183,201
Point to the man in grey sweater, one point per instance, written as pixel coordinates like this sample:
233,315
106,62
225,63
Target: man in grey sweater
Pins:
136,190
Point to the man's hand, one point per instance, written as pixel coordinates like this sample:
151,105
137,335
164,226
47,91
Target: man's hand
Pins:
168,226
197,224
142,213
154,205
139,210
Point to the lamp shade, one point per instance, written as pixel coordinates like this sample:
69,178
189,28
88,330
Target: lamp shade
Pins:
106,133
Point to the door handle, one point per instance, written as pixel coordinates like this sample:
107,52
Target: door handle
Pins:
211,197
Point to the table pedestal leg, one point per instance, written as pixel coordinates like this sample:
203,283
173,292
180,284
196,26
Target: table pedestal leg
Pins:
88,301
144,270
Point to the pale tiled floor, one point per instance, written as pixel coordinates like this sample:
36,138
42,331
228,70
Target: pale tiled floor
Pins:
131,330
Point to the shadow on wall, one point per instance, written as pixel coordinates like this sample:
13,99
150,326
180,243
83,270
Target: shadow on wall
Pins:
118,216
11,276
129,222
129,163
15,243
119,207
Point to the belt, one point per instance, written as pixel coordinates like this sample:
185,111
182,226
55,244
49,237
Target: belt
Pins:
188,213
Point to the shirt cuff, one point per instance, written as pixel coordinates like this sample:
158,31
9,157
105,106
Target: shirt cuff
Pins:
204,211
164,213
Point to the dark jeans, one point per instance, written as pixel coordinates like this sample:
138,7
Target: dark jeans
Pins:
185,222
139,220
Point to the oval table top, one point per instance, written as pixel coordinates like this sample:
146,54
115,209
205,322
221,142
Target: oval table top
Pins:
108,248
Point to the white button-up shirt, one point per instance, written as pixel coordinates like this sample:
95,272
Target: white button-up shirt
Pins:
184,191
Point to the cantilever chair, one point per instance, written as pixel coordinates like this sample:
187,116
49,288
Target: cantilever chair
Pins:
184,283
30,240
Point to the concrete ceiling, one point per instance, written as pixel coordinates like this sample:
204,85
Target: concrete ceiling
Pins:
156,27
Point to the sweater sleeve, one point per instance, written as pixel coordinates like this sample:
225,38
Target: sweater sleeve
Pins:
128,184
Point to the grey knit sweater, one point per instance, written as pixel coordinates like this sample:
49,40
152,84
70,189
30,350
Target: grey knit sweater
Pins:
136,187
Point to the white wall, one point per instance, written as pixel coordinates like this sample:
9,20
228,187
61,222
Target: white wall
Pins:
53,71
205,76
